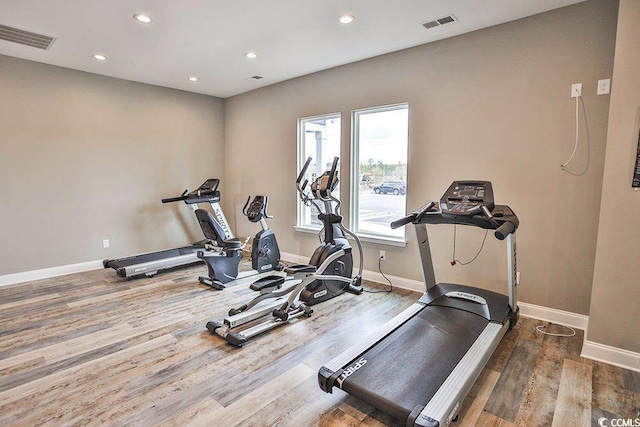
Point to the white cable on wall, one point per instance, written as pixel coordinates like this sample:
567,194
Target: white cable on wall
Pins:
575,147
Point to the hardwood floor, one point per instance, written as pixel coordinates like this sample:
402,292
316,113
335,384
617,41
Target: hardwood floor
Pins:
90,348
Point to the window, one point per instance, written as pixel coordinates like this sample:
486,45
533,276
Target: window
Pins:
319,138
379,148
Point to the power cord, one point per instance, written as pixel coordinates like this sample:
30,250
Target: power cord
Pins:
386,278
540,328
575,147
455,261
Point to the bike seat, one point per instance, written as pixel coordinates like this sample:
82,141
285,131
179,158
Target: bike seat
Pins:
267,282
234,243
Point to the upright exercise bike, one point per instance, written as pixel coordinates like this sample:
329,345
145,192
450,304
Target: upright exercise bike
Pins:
333,238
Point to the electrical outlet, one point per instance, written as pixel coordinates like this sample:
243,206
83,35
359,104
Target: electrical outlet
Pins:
604,86
383,255
576,90
105,243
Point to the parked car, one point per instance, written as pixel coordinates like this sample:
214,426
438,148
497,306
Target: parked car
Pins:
395,187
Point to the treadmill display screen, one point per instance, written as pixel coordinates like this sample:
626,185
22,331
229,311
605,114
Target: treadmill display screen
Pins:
466,198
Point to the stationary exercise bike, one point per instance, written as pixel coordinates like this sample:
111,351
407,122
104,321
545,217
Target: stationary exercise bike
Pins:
224,258
333,238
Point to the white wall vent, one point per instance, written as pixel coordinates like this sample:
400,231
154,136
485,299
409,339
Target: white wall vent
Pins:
26,38
440,21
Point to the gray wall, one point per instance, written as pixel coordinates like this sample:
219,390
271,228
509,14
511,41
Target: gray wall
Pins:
85,158
615,314
493,104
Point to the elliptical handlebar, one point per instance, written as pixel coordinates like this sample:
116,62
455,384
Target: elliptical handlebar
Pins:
306,199
303,172
332,174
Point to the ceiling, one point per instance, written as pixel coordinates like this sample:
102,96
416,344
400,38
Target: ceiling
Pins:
208,38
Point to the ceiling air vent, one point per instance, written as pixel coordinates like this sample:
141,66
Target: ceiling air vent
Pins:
253,78
25,37
440,21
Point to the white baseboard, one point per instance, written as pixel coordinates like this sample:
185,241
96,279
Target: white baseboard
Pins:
611,355
45,273
559,317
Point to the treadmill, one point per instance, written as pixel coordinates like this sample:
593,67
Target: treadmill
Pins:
149,264
420,365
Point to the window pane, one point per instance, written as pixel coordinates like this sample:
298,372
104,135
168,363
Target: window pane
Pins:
380,147
319,138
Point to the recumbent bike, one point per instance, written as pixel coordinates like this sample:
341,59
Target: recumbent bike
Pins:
223,259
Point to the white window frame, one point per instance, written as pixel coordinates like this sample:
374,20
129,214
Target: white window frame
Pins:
302,158
355,175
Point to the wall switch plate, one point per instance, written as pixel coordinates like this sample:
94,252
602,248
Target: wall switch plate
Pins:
105,243
604,86
576,90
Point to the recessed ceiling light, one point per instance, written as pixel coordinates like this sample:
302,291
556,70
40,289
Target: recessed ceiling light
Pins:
99,57
140,17
193,79
251,55
346,19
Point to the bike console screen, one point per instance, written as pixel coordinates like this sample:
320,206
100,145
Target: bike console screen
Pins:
466,198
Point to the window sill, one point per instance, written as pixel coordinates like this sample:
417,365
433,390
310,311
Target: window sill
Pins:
365,238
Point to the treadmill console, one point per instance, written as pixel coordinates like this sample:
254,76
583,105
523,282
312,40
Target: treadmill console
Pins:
207,188
466,198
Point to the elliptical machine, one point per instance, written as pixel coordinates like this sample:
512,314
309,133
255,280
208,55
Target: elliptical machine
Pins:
332,238
224,258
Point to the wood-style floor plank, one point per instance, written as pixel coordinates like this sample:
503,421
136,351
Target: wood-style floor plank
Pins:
93,349
574,395
507,395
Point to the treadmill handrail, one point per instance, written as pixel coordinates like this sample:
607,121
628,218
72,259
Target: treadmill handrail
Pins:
500,215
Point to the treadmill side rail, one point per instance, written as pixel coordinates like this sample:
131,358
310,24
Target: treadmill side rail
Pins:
330,372
445,404
152,267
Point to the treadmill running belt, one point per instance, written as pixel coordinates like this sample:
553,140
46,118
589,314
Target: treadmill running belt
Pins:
407,368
